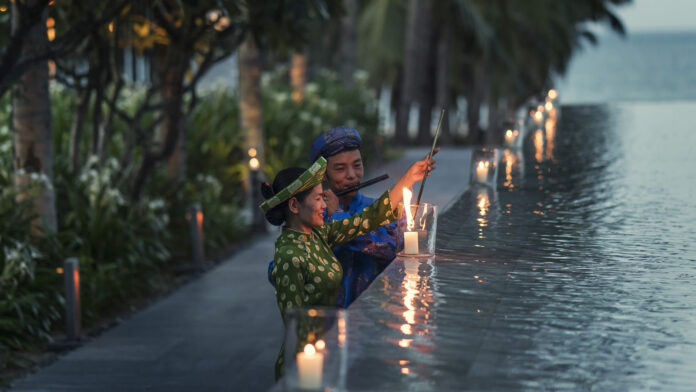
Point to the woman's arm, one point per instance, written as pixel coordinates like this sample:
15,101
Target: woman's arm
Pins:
380,212
289,277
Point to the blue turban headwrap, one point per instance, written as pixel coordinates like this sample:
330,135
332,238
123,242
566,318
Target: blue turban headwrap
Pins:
334,141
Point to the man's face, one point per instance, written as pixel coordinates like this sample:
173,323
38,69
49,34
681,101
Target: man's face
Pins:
344,170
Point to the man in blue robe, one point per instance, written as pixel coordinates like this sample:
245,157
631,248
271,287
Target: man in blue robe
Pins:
366,256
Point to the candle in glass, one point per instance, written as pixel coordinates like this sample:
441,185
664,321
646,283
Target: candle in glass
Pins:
309,367
410,237
510,136
482,172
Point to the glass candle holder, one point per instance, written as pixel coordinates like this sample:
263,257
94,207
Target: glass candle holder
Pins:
512,135
314,349
416,238
484,167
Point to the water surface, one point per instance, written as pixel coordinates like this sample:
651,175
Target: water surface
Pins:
577,272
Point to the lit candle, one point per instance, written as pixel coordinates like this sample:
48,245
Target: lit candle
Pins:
538,116
553,94
510,136
482,172
548,106
410,237
309,367
411,242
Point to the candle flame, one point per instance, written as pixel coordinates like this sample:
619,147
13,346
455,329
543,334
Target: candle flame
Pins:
320,345
553,94
309,349
407,208
508,133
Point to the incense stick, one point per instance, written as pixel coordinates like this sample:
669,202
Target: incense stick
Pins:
362,185
430,154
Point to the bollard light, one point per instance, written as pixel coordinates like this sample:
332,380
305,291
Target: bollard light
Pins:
73,316
257,219
195,218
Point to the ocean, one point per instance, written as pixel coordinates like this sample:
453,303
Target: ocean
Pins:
639,67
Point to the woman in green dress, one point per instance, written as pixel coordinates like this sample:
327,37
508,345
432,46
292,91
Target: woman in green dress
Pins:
306,272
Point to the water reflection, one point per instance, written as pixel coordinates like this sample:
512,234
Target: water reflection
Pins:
513,164
550,127
578,277
538,140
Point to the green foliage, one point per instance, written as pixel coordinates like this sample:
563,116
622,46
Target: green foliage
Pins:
125,247
121,245
29,299
290,127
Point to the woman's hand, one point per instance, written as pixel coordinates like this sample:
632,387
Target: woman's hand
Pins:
331,201
414,174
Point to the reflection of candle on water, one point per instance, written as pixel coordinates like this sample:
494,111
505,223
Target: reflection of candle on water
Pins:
410,237
309,367
482,172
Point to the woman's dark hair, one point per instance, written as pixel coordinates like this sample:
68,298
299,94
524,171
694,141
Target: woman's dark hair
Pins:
278,214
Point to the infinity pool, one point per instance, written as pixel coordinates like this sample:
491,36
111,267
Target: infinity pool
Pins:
578,272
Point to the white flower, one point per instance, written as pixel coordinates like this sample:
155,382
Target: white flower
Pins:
311,88
360,76
305,116
156,204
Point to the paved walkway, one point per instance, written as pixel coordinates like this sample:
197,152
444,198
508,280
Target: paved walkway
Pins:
220,332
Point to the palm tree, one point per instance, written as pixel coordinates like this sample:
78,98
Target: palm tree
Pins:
411,77
250,107
348,51
298,75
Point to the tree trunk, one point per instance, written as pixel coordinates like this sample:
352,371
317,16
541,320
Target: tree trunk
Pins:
298,76
442,90
348,51
168,80
83,98
493,121
411,72
107,126
426,88
32,143
170,138
250,108
473,103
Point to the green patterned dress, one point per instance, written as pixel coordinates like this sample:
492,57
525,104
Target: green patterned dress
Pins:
306,272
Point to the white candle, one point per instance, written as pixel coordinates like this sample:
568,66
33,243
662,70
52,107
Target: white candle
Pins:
482,172
539,116
309,367
411,242
509,138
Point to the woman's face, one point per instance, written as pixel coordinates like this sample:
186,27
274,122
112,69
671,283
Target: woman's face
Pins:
311,212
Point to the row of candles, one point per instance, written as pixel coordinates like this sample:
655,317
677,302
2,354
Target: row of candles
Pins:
310,361
485,159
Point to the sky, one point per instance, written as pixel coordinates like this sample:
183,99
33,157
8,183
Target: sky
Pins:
659,15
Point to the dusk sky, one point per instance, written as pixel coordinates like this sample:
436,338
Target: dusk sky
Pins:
659,15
